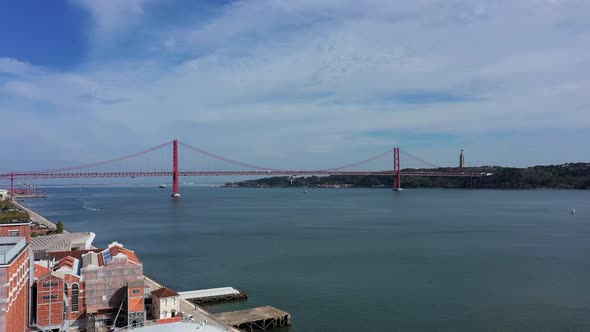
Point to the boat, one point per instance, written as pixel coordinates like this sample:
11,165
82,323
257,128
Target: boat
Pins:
162,186
176,195
573,211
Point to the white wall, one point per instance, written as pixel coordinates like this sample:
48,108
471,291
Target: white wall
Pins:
162,308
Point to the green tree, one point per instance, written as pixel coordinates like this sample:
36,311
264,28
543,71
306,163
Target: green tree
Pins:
60,227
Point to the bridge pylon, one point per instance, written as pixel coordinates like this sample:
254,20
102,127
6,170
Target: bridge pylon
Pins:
397,173
12,187
175,191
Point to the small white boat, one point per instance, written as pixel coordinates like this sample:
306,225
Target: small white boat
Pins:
573,211
162,186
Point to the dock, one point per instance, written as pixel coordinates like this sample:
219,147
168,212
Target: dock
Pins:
211,295
261,318
189,308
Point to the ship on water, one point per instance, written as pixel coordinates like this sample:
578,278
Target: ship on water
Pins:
162,186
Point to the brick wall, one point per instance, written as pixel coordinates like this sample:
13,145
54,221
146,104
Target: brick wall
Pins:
50,301
14,293
22,229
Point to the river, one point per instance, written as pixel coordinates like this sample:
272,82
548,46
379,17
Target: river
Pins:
358,259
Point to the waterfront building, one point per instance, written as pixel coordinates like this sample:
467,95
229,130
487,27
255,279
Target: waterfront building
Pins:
165,303
90,289
15,283
4,195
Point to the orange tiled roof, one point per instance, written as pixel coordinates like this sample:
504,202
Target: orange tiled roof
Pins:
74,253
67,262
115,250
164,292
40,271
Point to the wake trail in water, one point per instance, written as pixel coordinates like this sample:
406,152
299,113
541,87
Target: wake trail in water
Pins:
86,206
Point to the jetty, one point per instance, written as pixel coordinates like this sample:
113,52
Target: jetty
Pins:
261,318
213,295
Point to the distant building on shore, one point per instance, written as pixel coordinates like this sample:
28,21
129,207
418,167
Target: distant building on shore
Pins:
4,195
461,160
165,303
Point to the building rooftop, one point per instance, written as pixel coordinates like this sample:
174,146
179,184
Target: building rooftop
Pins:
102,257
13,222
40,271
164,292
116,249
62,242
74,253
68,264
181,327
11,247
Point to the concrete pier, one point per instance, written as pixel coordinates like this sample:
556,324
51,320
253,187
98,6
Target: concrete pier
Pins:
261,318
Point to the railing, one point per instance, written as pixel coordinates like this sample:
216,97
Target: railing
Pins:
155,322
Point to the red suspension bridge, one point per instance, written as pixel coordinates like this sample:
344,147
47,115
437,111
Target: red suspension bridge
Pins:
222,166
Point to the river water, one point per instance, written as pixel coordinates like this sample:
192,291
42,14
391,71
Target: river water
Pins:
358,259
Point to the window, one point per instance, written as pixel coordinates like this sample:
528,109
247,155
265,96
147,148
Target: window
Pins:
50,284
13,233
66,289
45,297
136,292
54,296
75,290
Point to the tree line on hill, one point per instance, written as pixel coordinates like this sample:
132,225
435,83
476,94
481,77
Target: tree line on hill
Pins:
565,176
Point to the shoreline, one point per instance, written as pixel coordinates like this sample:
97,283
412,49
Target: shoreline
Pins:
35,217
197,311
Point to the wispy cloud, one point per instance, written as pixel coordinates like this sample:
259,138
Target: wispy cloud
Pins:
111,15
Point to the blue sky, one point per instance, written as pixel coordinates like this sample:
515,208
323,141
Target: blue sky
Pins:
295,83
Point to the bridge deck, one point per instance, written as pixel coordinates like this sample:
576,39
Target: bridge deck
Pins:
260,318
70,175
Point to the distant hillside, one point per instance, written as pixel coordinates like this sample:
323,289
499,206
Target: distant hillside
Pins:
566,176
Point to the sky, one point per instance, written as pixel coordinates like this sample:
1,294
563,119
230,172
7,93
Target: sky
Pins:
295,84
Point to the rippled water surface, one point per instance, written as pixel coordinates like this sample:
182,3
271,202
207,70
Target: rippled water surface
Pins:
359,259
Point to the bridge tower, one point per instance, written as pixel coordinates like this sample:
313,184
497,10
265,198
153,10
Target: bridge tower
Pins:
397,174
175,192
12,198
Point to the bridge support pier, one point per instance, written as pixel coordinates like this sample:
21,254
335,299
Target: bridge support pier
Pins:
397,174
175,192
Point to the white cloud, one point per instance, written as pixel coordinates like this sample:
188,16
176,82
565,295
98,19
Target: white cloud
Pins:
111,15
14,66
